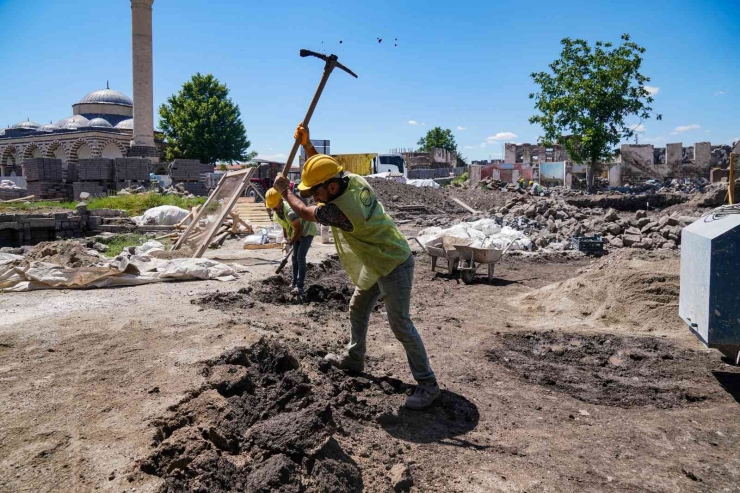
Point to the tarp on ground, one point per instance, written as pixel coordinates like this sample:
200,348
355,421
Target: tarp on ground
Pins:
17,275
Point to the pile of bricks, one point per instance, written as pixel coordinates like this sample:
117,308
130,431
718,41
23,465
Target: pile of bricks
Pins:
191,173
95,176
131,172
44,177
101,176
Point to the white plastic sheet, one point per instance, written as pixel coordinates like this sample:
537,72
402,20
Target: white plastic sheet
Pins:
124,270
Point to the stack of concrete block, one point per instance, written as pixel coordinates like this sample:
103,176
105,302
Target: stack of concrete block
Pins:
69,172
191,173
42,169
131,172
95,176
44,177
96,169
184,170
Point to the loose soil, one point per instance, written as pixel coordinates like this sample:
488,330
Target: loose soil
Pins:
626,288
64,253
266,422
610,370
326,283
140,389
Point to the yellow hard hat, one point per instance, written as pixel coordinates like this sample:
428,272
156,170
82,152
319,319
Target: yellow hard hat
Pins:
317,170
531,182
272,198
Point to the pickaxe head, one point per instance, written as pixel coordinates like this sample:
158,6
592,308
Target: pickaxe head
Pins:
331,61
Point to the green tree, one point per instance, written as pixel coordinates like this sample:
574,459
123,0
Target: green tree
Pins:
202,122
587,97
441,139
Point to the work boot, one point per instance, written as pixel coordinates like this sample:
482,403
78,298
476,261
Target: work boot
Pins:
345,362
295,291
424,395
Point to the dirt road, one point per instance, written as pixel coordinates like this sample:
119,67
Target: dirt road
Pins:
116,390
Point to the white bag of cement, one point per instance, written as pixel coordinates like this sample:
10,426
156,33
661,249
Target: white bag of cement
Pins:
487,226
164,215
149,246
256,239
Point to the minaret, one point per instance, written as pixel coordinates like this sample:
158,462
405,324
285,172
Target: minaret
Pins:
142,144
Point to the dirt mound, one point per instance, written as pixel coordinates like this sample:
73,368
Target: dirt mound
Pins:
326,283
482,200
232,300
634,289
395,196
255,427
264,422
65,253
611,370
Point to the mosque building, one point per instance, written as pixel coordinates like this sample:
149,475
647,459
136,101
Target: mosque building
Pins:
101,125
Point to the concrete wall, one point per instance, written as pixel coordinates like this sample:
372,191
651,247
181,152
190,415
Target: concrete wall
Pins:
674,154
702,154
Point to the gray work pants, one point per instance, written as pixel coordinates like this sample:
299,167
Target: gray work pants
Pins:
396,291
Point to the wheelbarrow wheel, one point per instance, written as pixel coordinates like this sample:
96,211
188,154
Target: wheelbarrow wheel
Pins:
467,276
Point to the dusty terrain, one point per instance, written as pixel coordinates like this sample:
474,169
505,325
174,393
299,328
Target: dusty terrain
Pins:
564,374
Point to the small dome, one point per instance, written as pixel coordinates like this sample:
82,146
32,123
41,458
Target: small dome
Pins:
126,124
99,122
48,128
107,96
73,122
26,124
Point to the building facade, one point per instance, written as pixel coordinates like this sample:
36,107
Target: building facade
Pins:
101,125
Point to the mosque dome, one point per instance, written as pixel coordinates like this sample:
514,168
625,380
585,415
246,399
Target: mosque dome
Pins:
49,127
127,124
99,122
107,96
73,122
27,124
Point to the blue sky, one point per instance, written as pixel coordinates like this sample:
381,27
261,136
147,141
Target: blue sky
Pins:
458,65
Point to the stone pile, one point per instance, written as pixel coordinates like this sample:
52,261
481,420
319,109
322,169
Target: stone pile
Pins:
551,222
44,178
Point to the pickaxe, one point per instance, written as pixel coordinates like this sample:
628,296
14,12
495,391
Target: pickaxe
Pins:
331,63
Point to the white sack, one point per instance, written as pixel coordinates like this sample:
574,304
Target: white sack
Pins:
164,215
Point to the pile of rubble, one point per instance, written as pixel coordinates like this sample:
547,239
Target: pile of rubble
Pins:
552,222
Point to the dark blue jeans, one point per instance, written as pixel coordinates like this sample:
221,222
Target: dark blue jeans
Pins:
300,250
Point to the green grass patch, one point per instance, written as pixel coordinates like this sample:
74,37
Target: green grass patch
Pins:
118,243
457,182
134,204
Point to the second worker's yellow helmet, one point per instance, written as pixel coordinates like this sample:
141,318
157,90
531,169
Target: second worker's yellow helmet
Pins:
272,198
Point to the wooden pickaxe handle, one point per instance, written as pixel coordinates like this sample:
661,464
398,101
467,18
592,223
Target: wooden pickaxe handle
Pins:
331,62
284,261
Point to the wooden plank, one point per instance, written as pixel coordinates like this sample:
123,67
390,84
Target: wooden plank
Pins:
465,206
19,199
262,247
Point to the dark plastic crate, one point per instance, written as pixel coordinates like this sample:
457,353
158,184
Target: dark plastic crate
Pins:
588,244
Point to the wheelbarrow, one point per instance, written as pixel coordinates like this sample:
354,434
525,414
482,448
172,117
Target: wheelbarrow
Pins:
462,257
436,250
470,259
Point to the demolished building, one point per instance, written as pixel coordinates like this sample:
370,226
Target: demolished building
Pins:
639,162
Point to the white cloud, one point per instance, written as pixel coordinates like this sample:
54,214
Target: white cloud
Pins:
483,144
413,122
719,93
469,147
501,136
652,90
423,124
637,127
685,128
273,157
461,127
